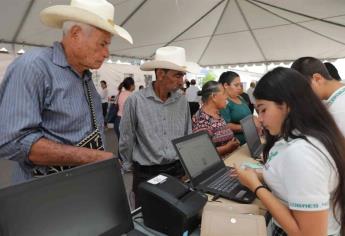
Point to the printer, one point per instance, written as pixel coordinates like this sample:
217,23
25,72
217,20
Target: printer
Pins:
170,206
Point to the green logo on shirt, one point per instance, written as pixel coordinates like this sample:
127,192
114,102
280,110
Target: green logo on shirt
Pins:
271,155
307,205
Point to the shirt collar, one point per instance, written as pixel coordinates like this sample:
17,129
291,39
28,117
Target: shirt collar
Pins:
59,58
335,95
150,93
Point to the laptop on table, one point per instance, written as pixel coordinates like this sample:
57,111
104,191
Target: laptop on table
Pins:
86,200
252,137
206,170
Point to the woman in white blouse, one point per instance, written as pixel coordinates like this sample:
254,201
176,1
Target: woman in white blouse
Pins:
304,159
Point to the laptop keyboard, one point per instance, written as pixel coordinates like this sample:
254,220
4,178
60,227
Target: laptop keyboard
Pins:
224,183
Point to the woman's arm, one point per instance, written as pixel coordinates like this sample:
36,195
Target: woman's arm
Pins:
235,127
228,147
294,223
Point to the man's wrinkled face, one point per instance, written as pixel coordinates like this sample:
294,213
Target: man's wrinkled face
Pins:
93,48
173,79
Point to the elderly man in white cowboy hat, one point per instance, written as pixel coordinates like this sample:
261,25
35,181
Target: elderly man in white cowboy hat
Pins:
51,114
154,116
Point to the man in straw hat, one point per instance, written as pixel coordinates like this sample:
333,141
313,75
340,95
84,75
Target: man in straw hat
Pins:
51,115
154,116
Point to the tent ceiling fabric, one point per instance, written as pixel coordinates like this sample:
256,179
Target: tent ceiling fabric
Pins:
213,32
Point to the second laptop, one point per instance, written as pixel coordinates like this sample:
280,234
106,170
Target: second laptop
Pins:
206,170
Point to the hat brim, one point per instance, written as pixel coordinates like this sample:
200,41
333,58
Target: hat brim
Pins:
55,16
190,67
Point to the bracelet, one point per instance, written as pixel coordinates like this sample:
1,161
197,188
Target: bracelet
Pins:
257,188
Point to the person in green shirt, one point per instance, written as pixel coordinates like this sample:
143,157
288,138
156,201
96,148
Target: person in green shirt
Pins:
237,108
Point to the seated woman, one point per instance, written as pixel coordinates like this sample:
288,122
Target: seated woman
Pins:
237,108
208,118
304,159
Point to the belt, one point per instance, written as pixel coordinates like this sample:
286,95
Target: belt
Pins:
157,168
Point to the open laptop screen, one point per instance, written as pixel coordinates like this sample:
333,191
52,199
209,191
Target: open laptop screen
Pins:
86,200
197,152
251,134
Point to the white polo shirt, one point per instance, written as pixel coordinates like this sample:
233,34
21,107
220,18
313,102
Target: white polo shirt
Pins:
104,95
336,106
192,94
303,177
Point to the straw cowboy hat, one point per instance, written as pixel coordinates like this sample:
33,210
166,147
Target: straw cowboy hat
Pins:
173,58
98,13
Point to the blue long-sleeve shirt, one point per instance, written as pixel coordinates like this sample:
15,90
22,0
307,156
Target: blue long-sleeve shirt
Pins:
42,96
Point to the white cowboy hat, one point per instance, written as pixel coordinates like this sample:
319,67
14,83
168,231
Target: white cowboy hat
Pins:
173,58
98,13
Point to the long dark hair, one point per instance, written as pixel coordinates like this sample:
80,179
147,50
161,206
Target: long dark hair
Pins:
307,115
127,83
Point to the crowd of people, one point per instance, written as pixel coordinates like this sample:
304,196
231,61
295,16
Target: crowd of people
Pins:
60,119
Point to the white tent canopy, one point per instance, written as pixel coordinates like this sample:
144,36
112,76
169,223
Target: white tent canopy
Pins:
214,32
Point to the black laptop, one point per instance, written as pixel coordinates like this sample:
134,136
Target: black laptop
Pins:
85,200
252,137
206,169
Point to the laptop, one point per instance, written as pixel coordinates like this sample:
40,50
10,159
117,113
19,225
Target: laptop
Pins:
252,137
86,200
206,170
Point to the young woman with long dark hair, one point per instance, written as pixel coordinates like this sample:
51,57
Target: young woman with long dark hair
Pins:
304,158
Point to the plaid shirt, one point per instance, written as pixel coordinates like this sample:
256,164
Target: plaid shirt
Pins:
148,125
216,127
